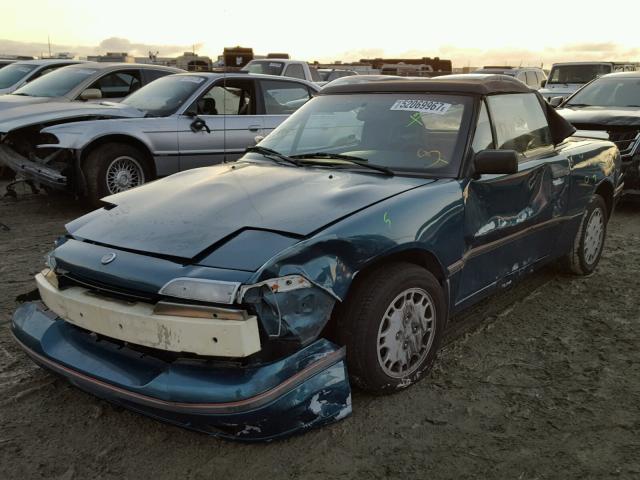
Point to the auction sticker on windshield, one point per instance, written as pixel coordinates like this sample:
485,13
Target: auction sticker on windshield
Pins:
422,106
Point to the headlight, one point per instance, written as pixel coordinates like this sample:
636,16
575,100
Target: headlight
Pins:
213,291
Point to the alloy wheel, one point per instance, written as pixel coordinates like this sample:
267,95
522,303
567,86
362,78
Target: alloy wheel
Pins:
406,332
594,236
124,173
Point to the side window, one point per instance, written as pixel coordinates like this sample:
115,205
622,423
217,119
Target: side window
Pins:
294,70
483,138
532,80
151,75
118,84
228,98
520,122
283,98
522,77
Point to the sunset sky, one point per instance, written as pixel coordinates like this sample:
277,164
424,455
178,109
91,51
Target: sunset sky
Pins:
468,32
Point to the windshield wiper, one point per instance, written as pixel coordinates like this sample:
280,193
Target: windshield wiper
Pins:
578,105
272,154
21,94
362,162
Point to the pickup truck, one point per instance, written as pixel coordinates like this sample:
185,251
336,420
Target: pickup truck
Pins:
284,68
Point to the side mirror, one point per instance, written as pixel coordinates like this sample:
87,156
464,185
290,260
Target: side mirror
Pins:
543,83
258,138
91,94
556,101
198,125
496,162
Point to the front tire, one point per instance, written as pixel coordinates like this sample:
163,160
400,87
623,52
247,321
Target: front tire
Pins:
589,241
114,168
392,325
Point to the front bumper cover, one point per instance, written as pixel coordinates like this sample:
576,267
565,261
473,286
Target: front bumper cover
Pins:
310,388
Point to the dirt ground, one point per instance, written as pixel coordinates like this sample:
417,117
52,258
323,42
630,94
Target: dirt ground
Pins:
539,382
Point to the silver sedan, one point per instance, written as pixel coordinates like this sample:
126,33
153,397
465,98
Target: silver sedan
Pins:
176,123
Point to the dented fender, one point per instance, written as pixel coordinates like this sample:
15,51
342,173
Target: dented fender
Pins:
79,135
331,259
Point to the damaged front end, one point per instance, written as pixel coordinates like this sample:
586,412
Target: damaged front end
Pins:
228,358
34,156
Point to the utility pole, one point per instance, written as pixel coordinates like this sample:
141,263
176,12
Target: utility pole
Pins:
49,41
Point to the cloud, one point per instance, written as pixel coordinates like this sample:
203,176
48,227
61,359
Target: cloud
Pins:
113,44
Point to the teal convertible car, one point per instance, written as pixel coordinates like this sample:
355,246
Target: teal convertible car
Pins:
243,300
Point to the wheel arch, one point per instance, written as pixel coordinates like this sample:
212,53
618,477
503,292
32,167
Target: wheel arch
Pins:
417,256
122,139
606,191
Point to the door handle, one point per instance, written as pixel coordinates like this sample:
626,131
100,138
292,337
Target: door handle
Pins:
254,128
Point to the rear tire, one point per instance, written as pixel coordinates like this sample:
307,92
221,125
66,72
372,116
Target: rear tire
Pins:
392,325
589,241
113,168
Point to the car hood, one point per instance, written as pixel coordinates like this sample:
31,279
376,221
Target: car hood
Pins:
582,117
185,214
28,114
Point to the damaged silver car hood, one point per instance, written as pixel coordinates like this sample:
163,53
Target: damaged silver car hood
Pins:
187,213
42,113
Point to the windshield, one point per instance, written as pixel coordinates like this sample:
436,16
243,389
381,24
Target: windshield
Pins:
57,83
12,74
609,92
407,133
577,73
164,96
266,67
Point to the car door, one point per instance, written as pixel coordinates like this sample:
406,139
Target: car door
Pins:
279,99
512,221
229,112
